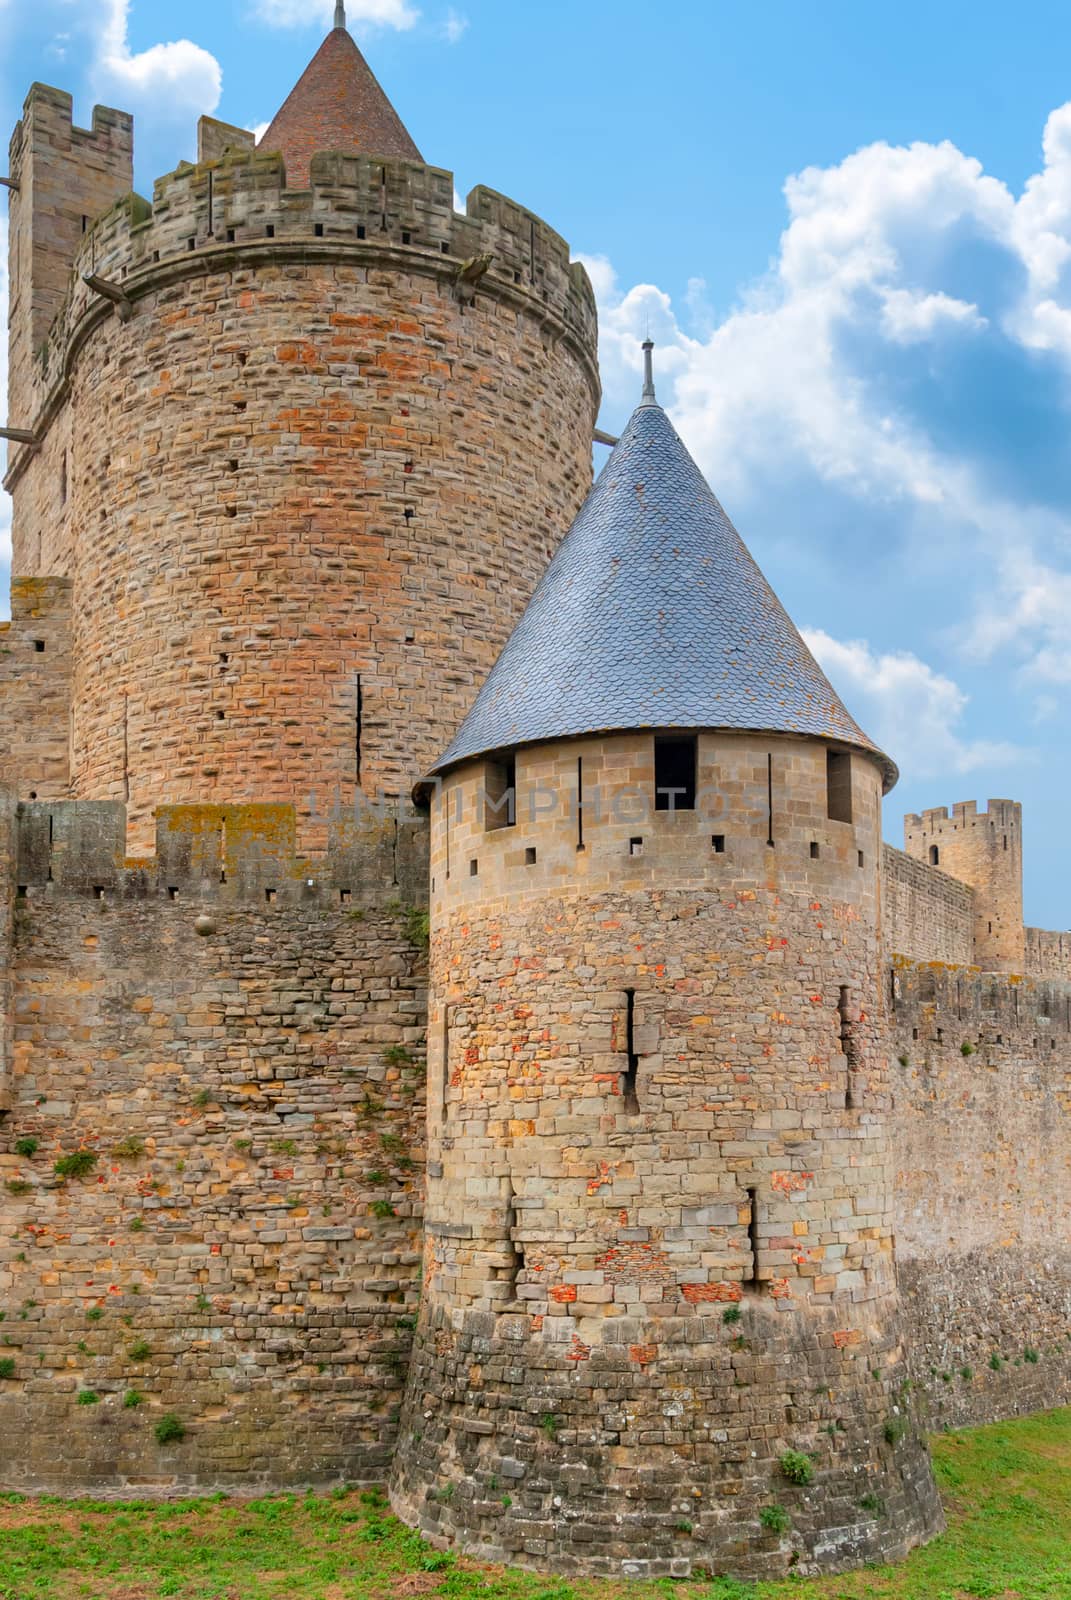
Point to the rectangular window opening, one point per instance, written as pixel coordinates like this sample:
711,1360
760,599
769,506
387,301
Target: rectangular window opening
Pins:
172,893
530,857
838,786
500,794
474,869
635,847
358,728
769,803
862,859
676,758
446,1060
39,646
271,895
344,897
717,844
815,850
630,1076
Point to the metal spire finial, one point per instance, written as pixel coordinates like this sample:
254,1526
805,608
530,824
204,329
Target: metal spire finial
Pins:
340,13
649,396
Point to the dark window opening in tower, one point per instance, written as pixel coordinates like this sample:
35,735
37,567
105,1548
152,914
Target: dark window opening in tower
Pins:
753,1236
675,769
838,786
935,856
63,487
500,794
514,1249
358,731
580,802
630,1076
445,1090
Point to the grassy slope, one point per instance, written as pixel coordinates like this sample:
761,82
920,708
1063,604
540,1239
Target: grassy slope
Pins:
1007,1490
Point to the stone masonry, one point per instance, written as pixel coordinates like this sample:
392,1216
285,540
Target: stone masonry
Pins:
728,1148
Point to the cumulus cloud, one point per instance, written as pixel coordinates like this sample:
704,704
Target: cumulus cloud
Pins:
176,79
369,13
913,712
858,365
455,27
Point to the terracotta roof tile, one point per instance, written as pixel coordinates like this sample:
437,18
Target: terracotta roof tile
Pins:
336,105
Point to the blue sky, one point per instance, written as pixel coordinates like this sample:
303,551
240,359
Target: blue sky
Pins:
849,229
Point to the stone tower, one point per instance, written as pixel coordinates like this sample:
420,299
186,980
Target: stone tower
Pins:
985,850
300,439
291,446
660,1327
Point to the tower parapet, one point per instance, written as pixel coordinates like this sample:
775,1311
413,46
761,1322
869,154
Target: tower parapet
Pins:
255,463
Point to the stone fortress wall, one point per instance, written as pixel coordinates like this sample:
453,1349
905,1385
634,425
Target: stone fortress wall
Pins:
235,1037
303,479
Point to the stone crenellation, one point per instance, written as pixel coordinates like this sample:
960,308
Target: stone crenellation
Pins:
564,1166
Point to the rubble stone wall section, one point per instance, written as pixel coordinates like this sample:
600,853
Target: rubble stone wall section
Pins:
212,1159
981,1079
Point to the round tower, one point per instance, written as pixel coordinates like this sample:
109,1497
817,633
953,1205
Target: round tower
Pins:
305,436
660,1327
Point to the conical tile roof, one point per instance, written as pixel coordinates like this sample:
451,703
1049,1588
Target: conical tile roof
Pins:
653,614
337,104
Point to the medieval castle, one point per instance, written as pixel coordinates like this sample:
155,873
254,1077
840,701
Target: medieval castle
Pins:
722,1151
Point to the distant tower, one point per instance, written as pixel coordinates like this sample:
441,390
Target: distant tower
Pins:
985,850
300,448
659,1257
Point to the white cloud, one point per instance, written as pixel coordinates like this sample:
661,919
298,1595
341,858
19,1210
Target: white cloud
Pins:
258,129
175,80
371,13
455,27
909,709
798,382
908,317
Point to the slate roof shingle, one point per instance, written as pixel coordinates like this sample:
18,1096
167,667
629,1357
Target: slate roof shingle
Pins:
653,614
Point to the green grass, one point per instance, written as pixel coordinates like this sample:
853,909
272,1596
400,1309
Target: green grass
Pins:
1007,1492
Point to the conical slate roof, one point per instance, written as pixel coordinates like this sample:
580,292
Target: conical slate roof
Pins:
653,614
337,104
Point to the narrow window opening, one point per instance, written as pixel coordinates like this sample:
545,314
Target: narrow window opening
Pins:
39,646
270,896
991,927
630,1076
362,231
717,843
580,802
358,729
446,1060
344,897
530,857
63,480
675,769
318,230
914,1033
407,238
191,244
474,869
85,224
409,513
815,850
230,235
1005,841
500,794
445,248
847,1043
940,1035
223,852
172,893
635,847
514,1250
232,511
838,786
224,658
753,1234
769,803
211,204
98,891
269,231
862,859
935,856
51,839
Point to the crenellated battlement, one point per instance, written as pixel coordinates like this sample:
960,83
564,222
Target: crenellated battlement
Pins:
220,856
965,814
238,211
982,1009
